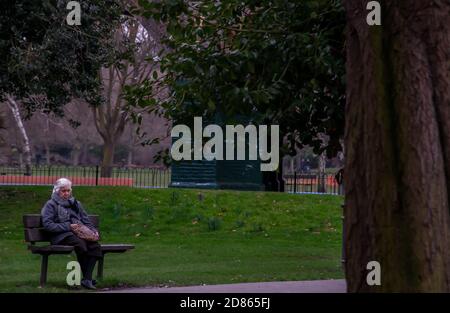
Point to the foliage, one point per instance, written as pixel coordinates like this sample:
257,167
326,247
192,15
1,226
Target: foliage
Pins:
44,61
279,62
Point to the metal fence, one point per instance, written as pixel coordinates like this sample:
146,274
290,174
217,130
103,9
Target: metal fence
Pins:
87,176
312,183
146,178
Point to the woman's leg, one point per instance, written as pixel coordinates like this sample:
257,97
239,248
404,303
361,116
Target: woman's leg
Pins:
90,264
93,254
82,261
94,249
81,250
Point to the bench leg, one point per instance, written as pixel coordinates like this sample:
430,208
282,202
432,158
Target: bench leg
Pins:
100,268
44,266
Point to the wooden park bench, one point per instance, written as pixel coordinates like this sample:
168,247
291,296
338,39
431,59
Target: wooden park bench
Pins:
34,232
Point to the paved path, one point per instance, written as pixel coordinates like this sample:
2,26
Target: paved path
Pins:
313,286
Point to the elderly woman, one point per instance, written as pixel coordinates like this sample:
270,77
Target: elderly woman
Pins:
60,215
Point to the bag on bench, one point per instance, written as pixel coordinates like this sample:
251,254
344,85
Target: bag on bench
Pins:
84,232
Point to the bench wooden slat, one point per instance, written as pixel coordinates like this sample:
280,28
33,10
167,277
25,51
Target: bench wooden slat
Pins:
53,249
34,232
116,247
36,235
34,220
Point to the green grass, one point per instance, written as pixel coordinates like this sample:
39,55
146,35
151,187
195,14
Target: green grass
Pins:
184,237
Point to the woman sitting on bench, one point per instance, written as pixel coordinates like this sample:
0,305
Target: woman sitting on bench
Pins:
60,216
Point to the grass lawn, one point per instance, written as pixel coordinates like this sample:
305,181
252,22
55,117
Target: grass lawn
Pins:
184,237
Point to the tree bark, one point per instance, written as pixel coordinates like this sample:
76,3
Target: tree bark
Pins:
397,140
76,154
47,153
84,155
130,157
2,126
20,158
25,141
321,176
108,158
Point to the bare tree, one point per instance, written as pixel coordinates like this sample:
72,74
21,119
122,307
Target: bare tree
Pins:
3,142
110,118
321,186
48,129
15,110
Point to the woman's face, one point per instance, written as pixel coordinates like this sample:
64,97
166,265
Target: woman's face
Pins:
65,192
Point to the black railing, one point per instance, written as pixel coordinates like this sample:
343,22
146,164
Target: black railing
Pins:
311,183
146,178
87,176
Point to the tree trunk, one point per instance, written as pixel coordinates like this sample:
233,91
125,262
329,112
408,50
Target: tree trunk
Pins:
108,158
321,176
76,157
76,153
397,140
20,159
84,155
25,141
130,157
47,153
2,126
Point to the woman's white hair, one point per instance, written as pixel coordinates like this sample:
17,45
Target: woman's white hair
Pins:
62,182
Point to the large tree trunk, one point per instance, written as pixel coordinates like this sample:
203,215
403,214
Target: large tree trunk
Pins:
397,137
25,141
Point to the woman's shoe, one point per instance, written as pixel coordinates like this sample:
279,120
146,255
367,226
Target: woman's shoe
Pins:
87,284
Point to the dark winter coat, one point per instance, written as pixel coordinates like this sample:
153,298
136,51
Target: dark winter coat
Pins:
57,215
